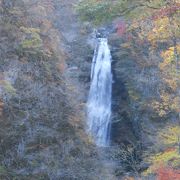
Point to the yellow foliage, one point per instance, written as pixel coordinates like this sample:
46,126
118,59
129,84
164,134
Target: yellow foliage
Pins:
8,87
160,31
170,157
163,158
162,107
32,38
176,104
170,135
171,82
133,94
168,67
126,45
167,103
30,30
168,57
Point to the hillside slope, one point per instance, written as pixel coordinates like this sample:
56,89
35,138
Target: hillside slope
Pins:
42,103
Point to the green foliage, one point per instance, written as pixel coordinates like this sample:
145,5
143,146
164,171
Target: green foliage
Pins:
2,170
96,11
102,11
133,94
5,173
32,38
9,88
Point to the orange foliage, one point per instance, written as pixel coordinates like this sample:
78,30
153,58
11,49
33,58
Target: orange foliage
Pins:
167,173
166,11
1,102
128,178
1,107
121,28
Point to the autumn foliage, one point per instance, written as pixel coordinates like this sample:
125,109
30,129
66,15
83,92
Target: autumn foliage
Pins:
155,25
167,173
166,11
1,107
121,28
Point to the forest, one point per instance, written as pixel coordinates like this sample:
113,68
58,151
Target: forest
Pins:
89,89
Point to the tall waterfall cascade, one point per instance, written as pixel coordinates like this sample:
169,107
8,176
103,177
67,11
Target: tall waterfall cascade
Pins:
99,100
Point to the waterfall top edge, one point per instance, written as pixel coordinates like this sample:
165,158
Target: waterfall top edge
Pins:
102,39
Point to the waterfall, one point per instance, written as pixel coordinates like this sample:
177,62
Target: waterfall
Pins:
99,100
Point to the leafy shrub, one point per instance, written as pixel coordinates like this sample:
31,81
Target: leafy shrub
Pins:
97,11
162,159
8,87
32,38
166,173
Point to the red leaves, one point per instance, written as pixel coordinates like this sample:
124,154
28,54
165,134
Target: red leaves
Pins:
121,28
1,107
129,37
166,11
170,149
166,173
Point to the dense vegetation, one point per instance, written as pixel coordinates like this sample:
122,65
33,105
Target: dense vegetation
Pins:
38,118
148,34
41,110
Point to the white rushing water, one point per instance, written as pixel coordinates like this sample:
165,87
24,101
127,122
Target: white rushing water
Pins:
99,101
